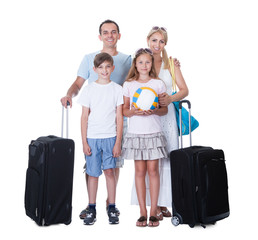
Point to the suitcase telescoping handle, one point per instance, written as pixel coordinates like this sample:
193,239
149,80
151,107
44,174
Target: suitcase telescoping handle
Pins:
180,119
67,117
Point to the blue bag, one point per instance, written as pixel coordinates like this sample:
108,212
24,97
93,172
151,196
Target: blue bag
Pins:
185,120
185,113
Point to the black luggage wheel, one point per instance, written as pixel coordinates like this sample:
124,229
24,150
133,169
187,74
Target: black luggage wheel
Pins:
68,222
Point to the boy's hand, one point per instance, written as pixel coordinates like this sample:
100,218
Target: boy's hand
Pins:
86,149
117,150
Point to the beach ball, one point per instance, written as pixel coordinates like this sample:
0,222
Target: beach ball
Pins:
145,98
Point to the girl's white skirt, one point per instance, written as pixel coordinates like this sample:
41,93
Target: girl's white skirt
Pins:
144,146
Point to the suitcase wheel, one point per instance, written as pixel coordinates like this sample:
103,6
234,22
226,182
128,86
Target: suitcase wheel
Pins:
68,222
175,220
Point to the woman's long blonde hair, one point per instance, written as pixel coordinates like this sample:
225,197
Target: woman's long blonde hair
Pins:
164,52
133,73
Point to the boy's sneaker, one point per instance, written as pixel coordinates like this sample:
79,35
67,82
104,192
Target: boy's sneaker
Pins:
116,211
90,218
112,216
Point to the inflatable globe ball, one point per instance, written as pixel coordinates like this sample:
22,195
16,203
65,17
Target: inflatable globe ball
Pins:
145,98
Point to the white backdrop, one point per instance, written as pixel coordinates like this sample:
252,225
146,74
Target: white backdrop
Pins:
42,45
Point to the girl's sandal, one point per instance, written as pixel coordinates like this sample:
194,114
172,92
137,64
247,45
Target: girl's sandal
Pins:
160,216
141,222
153,221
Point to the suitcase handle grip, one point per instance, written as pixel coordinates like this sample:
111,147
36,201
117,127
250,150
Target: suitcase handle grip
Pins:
185,101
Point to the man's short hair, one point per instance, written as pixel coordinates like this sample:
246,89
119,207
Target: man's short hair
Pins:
108,21
102,57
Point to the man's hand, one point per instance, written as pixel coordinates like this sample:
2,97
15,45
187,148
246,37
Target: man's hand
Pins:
66,99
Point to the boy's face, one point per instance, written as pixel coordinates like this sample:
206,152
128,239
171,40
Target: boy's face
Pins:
109,35
104,70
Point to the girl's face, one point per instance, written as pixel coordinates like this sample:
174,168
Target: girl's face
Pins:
156,43
144,63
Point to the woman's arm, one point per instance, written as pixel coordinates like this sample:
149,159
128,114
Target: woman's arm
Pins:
165,99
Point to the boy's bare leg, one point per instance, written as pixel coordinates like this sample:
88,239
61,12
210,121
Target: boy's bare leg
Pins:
92,189
111,185
117,172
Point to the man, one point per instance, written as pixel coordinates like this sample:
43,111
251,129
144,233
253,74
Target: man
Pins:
109,34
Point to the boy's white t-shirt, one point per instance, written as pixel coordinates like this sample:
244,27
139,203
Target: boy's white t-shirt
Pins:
102,100
146,124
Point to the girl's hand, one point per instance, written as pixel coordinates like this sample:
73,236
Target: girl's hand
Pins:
136,111
150,112
164,99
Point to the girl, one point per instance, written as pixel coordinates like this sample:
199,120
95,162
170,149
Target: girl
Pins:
144,141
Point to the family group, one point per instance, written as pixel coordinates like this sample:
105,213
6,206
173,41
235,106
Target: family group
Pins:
113,129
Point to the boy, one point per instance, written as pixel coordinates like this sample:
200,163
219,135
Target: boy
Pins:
101,129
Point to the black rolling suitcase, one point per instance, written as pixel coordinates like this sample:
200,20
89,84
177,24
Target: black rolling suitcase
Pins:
199,184
49,179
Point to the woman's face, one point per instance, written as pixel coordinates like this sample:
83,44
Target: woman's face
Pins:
156,43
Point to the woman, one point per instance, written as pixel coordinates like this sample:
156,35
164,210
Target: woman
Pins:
157,40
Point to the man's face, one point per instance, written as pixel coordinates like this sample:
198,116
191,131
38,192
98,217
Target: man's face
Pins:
109,35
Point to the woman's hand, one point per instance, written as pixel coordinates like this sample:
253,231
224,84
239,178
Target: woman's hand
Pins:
176,62
164,99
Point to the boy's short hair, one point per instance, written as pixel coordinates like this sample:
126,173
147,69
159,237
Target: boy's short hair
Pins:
102,57
108,21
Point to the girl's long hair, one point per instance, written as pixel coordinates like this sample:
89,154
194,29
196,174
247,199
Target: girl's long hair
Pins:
164,52
133,73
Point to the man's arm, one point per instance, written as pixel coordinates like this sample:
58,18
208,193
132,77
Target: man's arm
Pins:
72,91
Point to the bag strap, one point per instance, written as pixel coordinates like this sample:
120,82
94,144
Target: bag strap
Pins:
172,70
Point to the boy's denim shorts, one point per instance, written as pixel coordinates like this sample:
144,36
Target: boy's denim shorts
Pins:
101,157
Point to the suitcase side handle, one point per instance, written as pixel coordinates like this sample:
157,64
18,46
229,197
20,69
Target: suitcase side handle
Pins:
67,118
180,119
